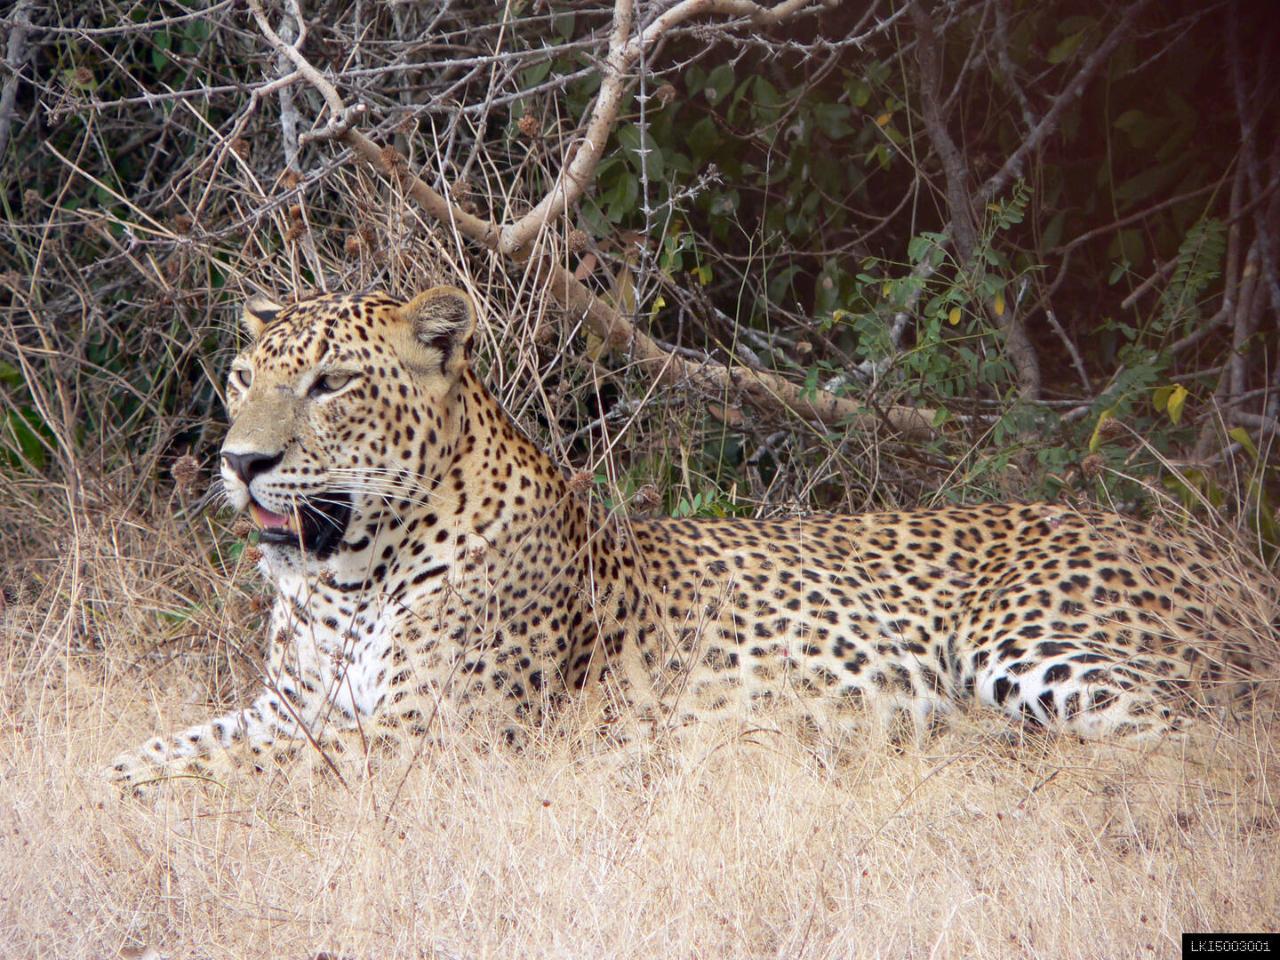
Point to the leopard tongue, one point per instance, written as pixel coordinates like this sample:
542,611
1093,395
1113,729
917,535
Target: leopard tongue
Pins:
268,520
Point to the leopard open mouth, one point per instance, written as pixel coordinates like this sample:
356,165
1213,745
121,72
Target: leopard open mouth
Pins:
316,525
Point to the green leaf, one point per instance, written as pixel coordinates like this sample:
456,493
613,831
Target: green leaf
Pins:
593,218
563,23
23,432
719,83
768,102
1149,181
1241,436
859,92
534,75
1053,230
160,46
633,140
832,119
1128,245
1063,49
917,247
1095,440
195,32
704,140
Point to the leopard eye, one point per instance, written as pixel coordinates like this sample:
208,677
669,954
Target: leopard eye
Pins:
330,383
243,377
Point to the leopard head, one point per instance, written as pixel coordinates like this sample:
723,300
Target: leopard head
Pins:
345,412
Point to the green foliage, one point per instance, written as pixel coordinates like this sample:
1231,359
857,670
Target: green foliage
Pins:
1199,264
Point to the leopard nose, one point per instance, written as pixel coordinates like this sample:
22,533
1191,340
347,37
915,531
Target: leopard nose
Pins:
246,466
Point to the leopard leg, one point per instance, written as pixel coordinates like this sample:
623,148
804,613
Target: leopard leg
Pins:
1093,693
264,731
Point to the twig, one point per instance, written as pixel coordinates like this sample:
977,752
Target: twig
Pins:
15,59
1067,342
145,26
1161,273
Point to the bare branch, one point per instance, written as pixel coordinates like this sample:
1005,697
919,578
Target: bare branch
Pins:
1071,92
14,60
624,51
1076,360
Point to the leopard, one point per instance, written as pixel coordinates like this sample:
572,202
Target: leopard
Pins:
432,565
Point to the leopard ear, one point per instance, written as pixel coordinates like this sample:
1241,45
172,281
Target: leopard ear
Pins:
258,312
443,319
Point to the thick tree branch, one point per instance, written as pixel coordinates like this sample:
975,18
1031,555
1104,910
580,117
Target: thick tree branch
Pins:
953,165
1017,343
764,390
294,35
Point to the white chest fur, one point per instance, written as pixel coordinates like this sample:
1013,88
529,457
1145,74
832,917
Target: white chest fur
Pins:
336,650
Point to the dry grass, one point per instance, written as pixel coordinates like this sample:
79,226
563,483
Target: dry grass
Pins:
726,844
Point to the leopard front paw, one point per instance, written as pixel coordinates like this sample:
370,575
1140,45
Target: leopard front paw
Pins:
133,773
125,773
